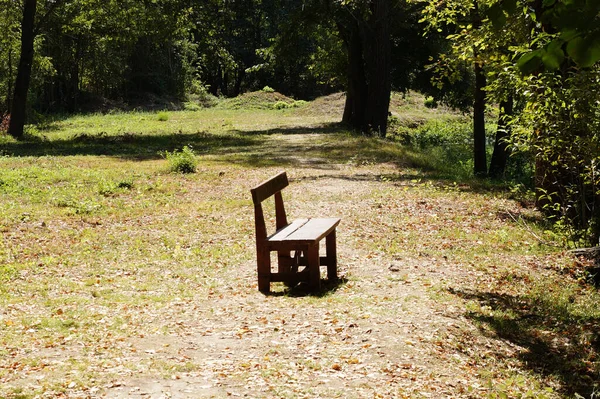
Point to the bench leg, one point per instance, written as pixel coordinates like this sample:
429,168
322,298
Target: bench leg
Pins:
314,266
330,246
263,262
284,261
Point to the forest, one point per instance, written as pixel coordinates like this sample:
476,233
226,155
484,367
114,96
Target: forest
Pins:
456,142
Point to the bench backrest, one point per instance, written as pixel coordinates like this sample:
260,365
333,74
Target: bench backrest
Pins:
266,189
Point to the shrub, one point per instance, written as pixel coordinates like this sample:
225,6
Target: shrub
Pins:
110,188
430,102
281,105
163,116
190,106
268,89
183,161
299,103
198,97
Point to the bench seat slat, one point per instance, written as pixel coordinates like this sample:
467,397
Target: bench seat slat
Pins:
304,231
287,230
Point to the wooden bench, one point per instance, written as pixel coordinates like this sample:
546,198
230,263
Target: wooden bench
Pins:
296,243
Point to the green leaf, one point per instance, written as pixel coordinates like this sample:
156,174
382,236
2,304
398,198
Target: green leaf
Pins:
553,55
548,3
510,6
529,62
569,34
584,51
496,15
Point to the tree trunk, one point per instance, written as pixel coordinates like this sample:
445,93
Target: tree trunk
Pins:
239,79
19,103
369,69
377,58
10,81
479,152
356,95
501,150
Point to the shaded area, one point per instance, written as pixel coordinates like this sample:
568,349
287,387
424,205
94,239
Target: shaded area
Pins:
324,128
557,341
263,148
304,290
129,145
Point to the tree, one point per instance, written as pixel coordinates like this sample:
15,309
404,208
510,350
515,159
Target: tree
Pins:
556,77
484,44
365,31
19,102
501,144
9,40
465,20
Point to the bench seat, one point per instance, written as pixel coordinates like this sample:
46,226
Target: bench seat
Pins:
303,231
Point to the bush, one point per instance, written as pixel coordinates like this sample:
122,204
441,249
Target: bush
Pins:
268,89
285,105
183,161
299,103
281,105
190,106
199,97
163,116
430,102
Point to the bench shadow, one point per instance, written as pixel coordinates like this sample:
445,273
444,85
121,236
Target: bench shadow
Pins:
304,290
557,343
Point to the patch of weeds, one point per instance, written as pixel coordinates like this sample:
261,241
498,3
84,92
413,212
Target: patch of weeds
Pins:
519,387
430,102
7,272
183,161
288,105
281,105
299,103
58,324
19,393
190,106
199,97
110,188
77,207
268,89
163,116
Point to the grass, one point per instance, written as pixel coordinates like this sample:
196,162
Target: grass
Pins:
110,261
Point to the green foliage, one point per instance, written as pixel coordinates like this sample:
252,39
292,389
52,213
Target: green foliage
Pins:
112,188
562,131
163,116
198,96
281,105
569,29
288,105
258,100
267,89
430,102
182,161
